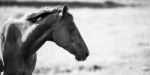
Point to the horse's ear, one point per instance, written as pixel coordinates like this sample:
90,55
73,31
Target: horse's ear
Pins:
65,9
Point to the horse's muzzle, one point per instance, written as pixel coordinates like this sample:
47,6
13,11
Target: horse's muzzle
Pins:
82,57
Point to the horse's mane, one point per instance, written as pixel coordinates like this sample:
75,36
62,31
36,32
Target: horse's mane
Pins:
34,17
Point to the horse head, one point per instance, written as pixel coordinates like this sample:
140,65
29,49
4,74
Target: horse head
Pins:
65,34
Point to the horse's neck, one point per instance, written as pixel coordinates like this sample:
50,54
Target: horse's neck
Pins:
34,37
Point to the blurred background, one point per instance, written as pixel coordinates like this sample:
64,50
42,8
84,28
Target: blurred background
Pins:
117,33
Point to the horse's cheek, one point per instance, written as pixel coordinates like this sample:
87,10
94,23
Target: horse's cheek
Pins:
61,38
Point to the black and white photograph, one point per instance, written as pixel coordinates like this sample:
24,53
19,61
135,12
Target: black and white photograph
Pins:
74,37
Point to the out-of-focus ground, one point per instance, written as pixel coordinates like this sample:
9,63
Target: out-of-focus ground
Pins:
118,40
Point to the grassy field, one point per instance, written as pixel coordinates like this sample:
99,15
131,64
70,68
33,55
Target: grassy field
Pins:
118,40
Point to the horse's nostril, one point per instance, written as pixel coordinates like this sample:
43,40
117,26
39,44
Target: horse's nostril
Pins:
87,54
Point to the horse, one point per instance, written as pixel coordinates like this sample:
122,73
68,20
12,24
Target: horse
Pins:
21,39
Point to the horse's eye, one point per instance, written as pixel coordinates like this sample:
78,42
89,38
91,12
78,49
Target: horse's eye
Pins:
71,30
